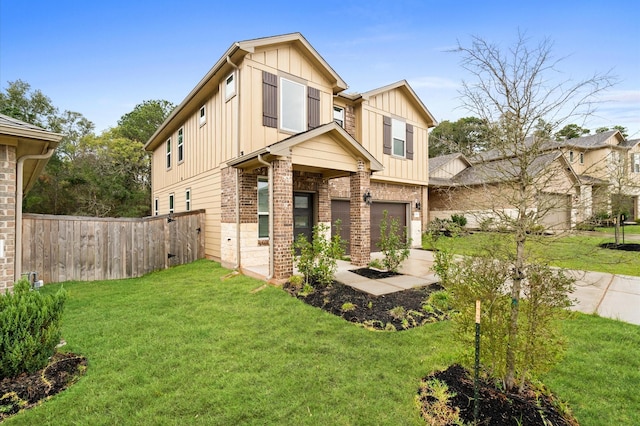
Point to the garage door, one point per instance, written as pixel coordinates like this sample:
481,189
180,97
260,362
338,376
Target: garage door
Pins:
340,210
557,216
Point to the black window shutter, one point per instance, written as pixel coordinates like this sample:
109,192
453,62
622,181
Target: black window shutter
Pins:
386,135
313,107
409,142
269,99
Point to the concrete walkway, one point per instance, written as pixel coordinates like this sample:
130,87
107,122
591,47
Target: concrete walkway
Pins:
611,296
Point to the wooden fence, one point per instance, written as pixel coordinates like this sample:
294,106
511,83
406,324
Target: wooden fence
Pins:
63,248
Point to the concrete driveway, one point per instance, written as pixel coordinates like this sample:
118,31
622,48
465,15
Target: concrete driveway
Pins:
608,295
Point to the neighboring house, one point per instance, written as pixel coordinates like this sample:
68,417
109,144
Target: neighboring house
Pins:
484,192
270,145
576,179
24,151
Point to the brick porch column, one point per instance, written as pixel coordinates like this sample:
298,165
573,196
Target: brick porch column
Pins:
282,211
360,217
7,216
324,202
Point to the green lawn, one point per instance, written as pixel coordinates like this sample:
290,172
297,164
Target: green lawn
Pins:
628,229
571,252
183,346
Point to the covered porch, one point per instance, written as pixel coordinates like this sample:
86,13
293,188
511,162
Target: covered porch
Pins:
274,194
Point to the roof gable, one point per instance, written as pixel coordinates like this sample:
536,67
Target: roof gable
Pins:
404,87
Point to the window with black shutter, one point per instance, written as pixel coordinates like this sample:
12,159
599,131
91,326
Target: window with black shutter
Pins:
386,135
313,107
269,99
409,142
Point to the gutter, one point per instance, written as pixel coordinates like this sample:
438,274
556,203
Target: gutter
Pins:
271,213
17,272
238,231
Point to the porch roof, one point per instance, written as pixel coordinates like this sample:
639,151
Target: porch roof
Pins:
327,149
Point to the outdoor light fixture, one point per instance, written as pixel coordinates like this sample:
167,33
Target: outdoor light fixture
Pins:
367,198
418,205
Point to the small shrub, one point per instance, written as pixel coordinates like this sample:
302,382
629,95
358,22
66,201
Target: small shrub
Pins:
29,329
348,307
441,300
376,264
394,245
437,411
459,219
318,259
296,281
586,226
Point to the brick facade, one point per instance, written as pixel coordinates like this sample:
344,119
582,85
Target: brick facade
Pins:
7,216
350,120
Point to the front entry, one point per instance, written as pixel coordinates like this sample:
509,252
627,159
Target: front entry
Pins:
302,215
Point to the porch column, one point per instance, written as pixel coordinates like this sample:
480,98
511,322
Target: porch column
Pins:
360,235
282,211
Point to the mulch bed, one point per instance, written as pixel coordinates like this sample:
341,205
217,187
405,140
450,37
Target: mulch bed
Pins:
373,312
624,247
374,274
497,408
27,390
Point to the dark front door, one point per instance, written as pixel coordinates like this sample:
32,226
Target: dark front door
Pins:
302,215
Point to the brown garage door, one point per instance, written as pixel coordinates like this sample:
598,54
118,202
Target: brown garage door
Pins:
340,210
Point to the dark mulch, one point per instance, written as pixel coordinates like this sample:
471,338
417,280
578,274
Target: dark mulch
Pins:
497,408
625,247
28,390
374,274
372,311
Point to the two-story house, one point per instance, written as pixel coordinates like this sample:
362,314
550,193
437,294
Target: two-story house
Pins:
269,144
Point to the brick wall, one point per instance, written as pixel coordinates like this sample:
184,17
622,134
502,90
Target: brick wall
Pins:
350,120
283,219
7,215
360,217
383,191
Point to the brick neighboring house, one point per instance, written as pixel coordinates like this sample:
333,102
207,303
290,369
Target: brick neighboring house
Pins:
24,151
269,144
577,179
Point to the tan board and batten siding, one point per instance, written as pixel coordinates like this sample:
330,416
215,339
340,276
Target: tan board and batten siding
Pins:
395,103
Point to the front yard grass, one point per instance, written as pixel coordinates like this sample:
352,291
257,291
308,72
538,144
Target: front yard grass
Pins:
628,229
571,252
183,346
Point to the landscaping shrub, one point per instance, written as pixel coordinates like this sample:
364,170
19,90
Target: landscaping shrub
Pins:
318,259
29,329
459,219
393,244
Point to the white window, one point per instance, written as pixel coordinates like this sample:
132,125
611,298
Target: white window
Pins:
187,198
636,163
171,203
399,135
293,110
263,207
169,153
230,86
338,115
181,145
203,115
156,205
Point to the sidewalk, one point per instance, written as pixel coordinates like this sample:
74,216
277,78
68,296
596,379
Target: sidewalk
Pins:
611,296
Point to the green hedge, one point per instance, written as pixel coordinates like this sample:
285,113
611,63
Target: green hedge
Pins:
29,329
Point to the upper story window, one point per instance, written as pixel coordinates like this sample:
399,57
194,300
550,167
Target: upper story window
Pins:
293,110
181,145
156,207
582,158
169,153
230,86
187,198
571,156
399,134
635,162
203,115
171,199
338,115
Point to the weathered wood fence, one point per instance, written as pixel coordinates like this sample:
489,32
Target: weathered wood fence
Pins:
63,248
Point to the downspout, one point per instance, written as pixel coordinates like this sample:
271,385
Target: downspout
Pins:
271,213
238,151
17,272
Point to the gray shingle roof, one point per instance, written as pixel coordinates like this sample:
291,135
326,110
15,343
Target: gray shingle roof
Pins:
5,120
436,163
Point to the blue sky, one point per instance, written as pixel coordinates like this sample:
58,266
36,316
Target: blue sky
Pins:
101,58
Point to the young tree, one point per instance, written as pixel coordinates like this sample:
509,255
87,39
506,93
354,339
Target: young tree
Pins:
513,88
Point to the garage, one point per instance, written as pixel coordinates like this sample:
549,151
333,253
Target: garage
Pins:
340,210
556,211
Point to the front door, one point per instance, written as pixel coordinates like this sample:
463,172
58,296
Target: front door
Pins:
302,215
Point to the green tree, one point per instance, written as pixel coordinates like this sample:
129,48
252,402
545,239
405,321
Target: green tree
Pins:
31,106
513,89
466,135
621,129
141,123
571,131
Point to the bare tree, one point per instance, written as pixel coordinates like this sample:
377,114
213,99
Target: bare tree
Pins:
513,89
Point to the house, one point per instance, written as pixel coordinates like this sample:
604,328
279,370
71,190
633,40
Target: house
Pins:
484,191
270,144
609,170
575,180
24,151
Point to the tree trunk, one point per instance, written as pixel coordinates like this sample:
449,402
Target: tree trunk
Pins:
512,338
